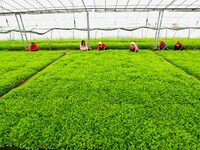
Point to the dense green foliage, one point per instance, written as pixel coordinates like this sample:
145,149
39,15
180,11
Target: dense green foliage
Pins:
112,43
186,60
17,66
104,100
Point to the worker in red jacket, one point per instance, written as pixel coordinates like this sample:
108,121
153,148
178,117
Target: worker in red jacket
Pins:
178,46
163,46
33,47
101,46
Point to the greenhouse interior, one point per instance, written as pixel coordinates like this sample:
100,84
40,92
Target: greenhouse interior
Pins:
130,94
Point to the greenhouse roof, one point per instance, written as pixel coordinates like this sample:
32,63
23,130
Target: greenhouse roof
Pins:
67,6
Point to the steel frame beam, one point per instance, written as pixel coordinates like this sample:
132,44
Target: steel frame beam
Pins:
110,9
159,23
22,31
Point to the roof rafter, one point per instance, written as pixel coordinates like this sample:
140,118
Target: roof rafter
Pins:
159,4
169,4
191,4
116,5
10,5
30,4
73,6
20,5
42,5
180,3
95,4
137,4
126,4
3,8
63,5
105,5
84,6
148,4
51,4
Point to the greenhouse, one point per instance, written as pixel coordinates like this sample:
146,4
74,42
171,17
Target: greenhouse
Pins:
60,96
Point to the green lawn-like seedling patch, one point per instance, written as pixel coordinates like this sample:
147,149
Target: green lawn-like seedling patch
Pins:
17,66
104,100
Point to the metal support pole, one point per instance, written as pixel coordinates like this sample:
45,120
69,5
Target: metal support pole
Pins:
23,28
160,24
155,39
74,26
88,28
20,31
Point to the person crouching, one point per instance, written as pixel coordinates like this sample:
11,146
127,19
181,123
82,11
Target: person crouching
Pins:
101,46
33,47
178,46
133,47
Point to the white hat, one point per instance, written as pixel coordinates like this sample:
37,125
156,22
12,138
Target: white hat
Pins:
100,43
132,43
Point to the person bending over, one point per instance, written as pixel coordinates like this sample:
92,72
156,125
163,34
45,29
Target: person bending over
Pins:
163,46
178,46
33,47
133,47
101,46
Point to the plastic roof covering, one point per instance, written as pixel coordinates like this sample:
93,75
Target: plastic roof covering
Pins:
105,15
56,6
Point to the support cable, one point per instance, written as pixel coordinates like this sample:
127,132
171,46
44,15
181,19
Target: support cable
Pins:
126,5
42,5
20,5
137,4
148,4
63,5
180,3
191,4
105,5
11,5
51,4
116,5
95,5
170,4
3,8
73,5
30,4
159,4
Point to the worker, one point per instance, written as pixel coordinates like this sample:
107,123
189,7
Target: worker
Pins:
133,47
163,46
33,47
101,46
83,45
178,46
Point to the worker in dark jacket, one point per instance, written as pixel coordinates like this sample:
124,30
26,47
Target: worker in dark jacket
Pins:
163,46
178,46
33,47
